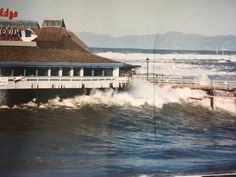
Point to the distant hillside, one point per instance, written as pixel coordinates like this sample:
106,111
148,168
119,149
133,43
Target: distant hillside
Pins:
171,40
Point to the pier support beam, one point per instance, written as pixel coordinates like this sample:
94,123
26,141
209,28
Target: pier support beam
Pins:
212,102
211,93
37,100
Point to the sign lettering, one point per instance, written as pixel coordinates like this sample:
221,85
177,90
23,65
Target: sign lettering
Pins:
9,31
8,13
14,34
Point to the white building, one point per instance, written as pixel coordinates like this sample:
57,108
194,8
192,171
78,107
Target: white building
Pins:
51,57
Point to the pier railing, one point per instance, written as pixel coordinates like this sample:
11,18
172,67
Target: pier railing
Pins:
62,82
194,83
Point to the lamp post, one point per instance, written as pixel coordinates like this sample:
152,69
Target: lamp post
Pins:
174,66
147,59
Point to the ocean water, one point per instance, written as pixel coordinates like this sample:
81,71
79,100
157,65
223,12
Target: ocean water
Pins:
143,131
202,65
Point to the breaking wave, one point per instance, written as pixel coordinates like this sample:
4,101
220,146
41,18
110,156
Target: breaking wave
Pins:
179,64
142,56
139,94
143,93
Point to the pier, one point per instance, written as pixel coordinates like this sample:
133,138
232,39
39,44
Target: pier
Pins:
214,88
193,83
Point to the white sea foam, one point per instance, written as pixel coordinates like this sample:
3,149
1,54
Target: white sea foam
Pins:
143,175
165,63
141,93
142,56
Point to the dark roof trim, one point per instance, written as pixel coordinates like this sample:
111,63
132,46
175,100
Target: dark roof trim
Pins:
58,64
20,23
129,66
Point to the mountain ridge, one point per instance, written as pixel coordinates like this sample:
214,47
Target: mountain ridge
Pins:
170,41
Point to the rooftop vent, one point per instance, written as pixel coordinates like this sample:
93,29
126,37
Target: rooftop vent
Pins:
54,23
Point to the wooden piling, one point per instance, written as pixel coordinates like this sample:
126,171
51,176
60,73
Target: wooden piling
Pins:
212,102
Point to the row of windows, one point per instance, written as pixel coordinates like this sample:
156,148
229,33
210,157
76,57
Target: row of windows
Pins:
17,71
55,23
98,72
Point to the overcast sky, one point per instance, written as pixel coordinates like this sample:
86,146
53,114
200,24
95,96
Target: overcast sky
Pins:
133,17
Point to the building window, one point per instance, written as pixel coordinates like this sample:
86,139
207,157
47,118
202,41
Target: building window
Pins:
6,71
98,72
125,72
54,23
19,71
55,71
66,71
88,72
31,71
21,24
76,71
108,72
42,71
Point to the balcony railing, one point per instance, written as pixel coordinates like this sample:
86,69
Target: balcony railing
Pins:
20,82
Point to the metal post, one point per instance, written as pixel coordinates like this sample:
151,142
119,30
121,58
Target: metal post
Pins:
226,85
174,66
147,59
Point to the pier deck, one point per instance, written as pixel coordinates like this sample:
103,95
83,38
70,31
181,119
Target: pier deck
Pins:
180,82
214,88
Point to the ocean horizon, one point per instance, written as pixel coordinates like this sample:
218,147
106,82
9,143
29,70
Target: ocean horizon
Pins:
162,51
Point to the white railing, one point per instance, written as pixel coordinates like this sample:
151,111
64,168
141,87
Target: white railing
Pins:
62,82
193,82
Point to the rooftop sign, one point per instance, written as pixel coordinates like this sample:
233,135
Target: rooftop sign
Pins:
11,33
8,13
